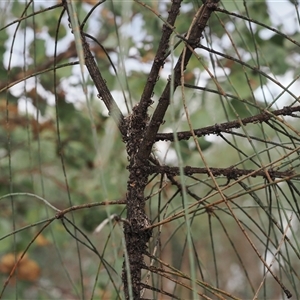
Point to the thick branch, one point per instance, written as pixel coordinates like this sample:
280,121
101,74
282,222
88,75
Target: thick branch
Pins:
230,173
101,86
160,57
225,127
103,90
164,101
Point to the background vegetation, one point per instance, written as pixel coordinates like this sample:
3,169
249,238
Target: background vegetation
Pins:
221,199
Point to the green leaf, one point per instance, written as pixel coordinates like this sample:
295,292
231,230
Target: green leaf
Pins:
17,8
66,110
241,108
50,22
204,144
3,38
233,5
37,50
276,59
46,80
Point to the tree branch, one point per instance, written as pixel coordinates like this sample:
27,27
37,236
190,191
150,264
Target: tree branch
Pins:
160,57
157,119
230,172
100,84
225,127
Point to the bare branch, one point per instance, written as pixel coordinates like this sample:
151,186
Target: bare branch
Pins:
100,83
157,119
230,172
225,127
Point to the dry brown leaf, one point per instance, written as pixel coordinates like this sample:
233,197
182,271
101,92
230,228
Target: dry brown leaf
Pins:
42,241
28,269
